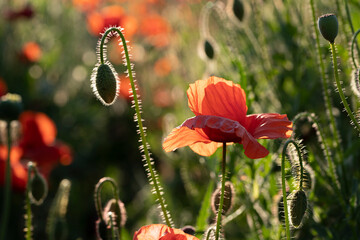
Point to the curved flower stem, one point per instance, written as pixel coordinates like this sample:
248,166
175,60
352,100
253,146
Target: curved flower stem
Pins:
113,232
97,194
223,178
340,90
325,84
352,48
152,174
287,224
6,207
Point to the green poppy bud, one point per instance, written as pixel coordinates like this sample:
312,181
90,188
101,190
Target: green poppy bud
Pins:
10,107
238,9
119,211
104,82
297,207
328,26
209,49
189,230
228,198
38,187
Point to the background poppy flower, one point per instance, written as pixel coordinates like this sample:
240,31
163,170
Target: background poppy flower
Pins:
161,232
38,144
220,109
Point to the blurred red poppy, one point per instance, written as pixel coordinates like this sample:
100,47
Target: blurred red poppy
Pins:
161,232
156,30
31,52
3,87
37,144
86,5
220,109
162,67
26,12
113,15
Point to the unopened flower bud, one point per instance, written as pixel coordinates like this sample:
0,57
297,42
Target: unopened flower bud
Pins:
238,9
104,82
119,211
189,230
228,198
10,107
328,26
297,207
38,187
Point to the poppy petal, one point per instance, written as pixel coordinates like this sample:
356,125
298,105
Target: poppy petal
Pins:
218,97
269,126
205,149
183,136
151,232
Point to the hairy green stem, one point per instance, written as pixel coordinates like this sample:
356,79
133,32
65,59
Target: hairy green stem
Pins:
325,84
223,178
153,177
114,235
97,195
28,215
340,90
287,224
352,48
6,203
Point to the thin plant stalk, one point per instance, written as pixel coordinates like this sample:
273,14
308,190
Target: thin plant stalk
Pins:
340,90
223,178
352,48
6,203
28,215
152,176
325,84
113,232
287,224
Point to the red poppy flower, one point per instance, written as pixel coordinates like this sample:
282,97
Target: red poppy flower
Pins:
26,12
31,52
161,232
220,109
38,144
3,87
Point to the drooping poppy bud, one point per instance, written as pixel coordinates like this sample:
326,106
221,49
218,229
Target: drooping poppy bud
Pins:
238,9
189,230
297,207
10,107
328,26
228,198
38,187
119,212
209,49
104,82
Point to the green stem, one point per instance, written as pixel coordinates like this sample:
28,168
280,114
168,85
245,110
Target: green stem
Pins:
97,195
6,207
223,178
340,90
113,232
28,216
153,177
287,224
325,84
352,48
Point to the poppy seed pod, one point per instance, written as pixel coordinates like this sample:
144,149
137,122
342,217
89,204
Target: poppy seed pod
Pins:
104,82
297,207
119,212
10,107
228,198
328,26
238,9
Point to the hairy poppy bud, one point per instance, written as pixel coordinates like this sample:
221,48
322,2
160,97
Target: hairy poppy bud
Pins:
10,107
328,26
38,187
189,230
228,198
119,212
209,49
238,9
104,82
297,207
